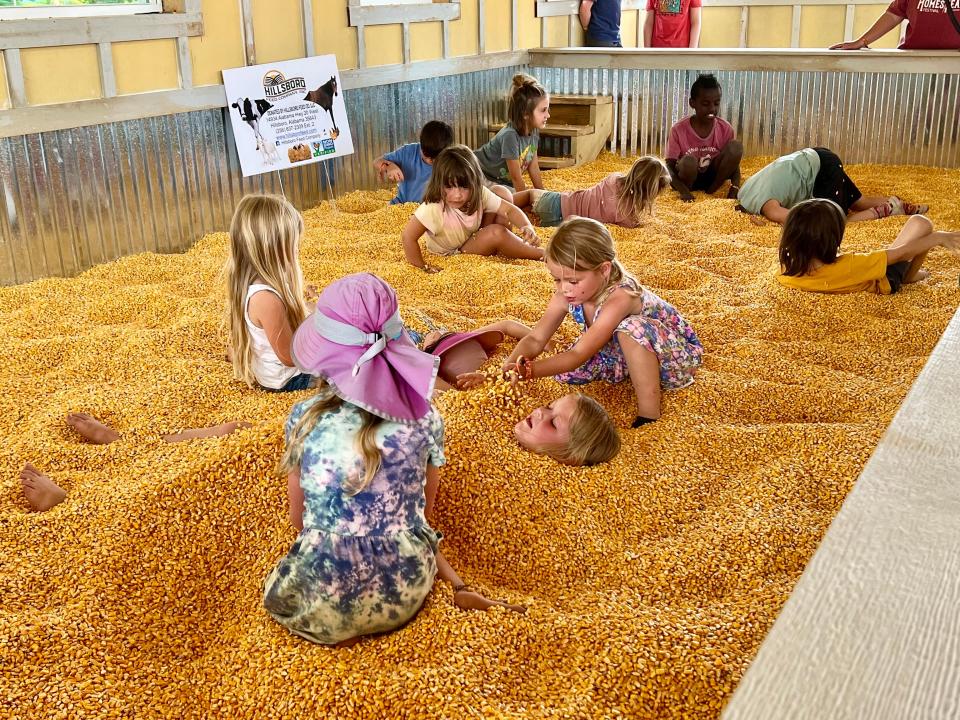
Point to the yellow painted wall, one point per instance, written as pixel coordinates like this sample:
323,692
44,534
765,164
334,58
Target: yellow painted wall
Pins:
221,45
821,27
864,16
498,31
332,34
769,27
145,66
720,27
463,32
528,35
45,70
426,41
277,30
151,65
384,44
556,31
629,37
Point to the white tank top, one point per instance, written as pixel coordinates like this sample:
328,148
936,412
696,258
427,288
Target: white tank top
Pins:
269,371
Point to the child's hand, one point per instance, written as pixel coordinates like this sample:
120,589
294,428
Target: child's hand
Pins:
429,268
530,235
466,598
311,294
394,174
470,380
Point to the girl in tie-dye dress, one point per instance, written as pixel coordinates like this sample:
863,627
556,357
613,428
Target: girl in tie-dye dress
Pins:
627,330
361,464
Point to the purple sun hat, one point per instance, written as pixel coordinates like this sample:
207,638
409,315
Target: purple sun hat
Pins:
355,341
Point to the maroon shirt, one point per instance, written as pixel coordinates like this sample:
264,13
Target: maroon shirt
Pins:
928,26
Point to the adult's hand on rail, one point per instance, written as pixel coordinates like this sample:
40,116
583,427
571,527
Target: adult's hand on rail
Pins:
852,45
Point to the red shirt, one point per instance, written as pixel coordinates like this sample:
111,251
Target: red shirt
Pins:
928,26
671,22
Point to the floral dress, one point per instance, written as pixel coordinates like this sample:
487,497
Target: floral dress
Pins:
659,328
363,563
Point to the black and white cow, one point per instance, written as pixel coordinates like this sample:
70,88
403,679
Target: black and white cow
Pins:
323,96
251,112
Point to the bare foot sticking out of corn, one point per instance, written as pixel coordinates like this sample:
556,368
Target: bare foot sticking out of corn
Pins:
41,492
91,429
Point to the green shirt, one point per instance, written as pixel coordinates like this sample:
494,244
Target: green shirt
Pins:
788,180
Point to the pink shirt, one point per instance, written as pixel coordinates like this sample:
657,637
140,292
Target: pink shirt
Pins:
684,141
928,27
671,22
598,203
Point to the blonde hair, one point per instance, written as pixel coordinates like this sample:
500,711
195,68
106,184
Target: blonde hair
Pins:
365,441
646,179
593,436
456,166
525,93
264,239
583,245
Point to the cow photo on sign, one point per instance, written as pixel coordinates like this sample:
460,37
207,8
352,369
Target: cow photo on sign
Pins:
278,121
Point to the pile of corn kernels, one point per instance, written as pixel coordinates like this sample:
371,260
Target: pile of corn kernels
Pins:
650,581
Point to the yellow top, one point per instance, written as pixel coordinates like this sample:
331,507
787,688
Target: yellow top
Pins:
851,272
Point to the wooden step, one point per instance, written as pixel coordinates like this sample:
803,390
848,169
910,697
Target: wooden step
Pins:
553,163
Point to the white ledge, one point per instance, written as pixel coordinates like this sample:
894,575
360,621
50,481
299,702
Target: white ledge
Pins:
944,62
872,628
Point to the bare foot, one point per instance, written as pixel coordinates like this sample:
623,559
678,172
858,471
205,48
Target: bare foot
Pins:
41,492
467,599
92,429
921,274
207,432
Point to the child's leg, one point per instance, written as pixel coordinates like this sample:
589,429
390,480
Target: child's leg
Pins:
494,219
502,192
917,226
728,166
497,240
41,492
91,429
644,368
686,173
524,199
207,432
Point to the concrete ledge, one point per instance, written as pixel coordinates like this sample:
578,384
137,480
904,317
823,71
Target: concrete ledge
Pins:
872,629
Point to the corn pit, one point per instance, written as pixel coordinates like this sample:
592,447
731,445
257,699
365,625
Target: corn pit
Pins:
650,581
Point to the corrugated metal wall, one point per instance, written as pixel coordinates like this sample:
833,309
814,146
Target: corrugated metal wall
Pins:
863,117
75,198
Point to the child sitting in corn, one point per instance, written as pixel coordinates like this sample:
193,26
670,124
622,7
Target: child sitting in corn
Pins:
459,214
361,463
810,257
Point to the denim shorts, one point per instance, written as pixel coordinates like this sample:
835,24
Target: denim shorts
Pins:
297,382
548,210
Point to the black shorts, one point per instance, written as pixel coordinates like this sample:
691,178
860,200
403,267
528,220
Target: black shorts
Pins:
705,179
896,273
832,182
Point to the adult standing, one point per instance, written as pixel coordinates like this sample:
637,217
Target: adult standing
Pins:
600,20
928,26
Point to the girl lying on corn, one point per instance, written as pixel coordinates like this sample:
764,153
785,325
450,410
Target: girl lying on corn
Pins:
809,257
361,463
618,199
627,330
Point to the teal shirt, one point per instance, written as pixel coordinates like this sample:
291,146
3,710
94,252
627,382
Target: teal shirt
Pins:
788,180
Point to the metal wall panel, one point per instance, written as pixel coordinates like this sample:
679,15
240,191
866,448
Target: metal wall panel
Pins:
863,117
70,199
74,198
